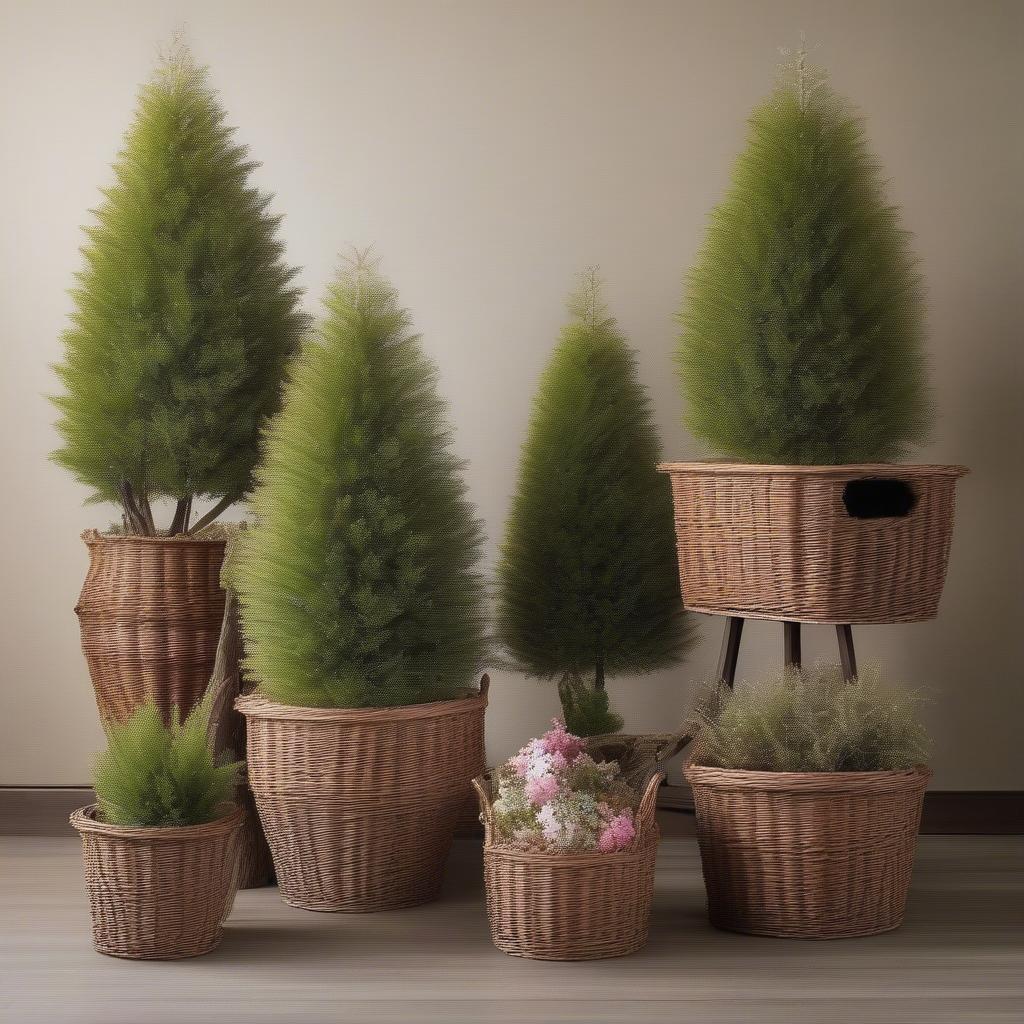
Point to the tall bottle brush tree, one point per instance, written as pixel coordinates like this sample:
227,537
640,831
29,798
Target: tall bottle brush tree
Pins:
802,326
358,585
588,583
185,314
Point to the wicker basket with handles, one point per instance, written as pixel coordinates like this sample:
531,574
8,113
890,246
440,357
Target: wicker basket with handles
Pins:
570,906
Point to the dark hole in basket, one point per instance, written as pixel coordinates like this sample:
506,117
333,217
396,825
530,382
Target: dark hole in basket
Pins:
878,498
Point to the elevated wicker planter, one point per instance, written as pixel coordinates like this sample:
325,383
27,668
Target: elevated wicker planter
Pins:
158,893
565,906
832,544
359,806
814,855
150,614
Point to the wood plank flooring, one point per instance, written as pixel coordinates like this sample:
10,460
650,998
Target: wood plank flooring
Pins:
957,959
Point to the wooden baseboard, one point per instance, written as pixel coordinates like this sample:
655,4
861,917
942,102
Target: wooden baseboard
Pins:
946,811
44,810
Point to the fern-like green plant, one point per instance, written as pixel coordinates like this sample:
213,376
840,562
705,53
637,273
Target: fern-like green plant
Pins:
155,774
588,583
802,324
185,315
812,721
358,584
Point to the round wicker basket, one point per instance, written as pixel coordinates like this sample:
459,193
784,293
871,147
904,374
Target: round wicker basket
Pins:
150,614
816,855
359,806
158,893
568,906
832,544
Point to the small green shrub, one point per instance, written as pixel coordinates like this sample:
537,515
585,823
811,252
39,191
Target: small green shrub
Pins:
162,775
812,721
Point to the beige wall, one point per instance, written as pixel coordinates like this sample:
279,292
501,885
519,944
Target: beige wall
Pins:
490,151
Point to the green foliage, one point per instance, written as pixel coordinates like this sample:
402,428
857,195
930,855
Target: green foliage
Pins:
586,710
802,325
185,315
812,722
162,775
588,581
358,584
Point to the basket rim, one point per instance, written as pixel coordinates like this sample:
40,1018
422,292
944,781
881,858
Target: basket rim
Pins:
84,820
807,782
96,537
254,705
712,467
636,851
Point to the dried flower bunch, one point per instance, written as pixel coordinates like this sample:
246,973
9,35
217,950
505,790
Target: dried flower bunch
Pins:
554,798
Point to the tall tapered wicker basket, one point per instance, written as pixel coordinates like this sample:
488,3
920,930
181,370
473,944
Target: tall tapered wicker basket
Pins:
570,906
150,614
833,544
811,855
359,806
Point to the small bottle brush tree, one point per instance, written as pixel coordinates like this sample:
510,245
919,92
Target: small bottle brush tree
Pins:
802,325
588,584
185,315
358,585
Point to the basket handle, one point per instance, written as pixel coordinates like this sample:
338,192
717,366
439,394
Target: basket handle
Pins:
485,684
483,792
683,735
648,804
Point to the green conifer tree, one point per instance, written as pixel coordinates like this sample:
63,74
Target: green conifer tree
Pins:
802,325
185,315
358,585
588,584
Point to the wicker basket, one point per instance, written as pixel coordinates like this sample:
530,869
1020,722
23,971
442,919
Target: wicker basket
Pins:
359,806
566,906
255,865
832,544
158,893
150,614
811,855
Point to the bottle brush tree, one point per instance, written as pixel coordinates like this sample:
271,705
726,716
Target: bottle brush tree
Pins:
588,584
802,324
185,314
358,585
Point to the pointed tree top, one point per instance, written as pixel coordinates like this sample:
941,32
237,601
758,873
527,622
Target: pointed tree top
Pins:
176,65
799,72
586,303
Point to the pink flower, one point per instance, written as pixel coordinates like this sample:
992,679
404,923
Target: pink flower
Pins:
558,761
539,791
520,764
557,741
617,834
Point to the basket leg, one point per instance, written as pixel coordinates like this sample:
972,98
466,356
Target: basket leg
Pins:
730,650
791,643
847,657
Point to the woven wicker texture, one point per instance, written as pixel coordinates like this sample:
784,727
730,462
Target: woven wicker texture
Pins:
158,893
150,614
777,542
255,865
812,855
360,806
567,906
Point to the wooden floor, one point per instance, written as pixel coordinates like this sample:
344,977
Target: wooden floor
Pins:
958,958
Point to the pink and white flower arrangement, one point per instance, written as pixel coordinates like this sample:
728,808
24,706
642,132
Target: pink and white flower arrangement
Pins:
554,797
